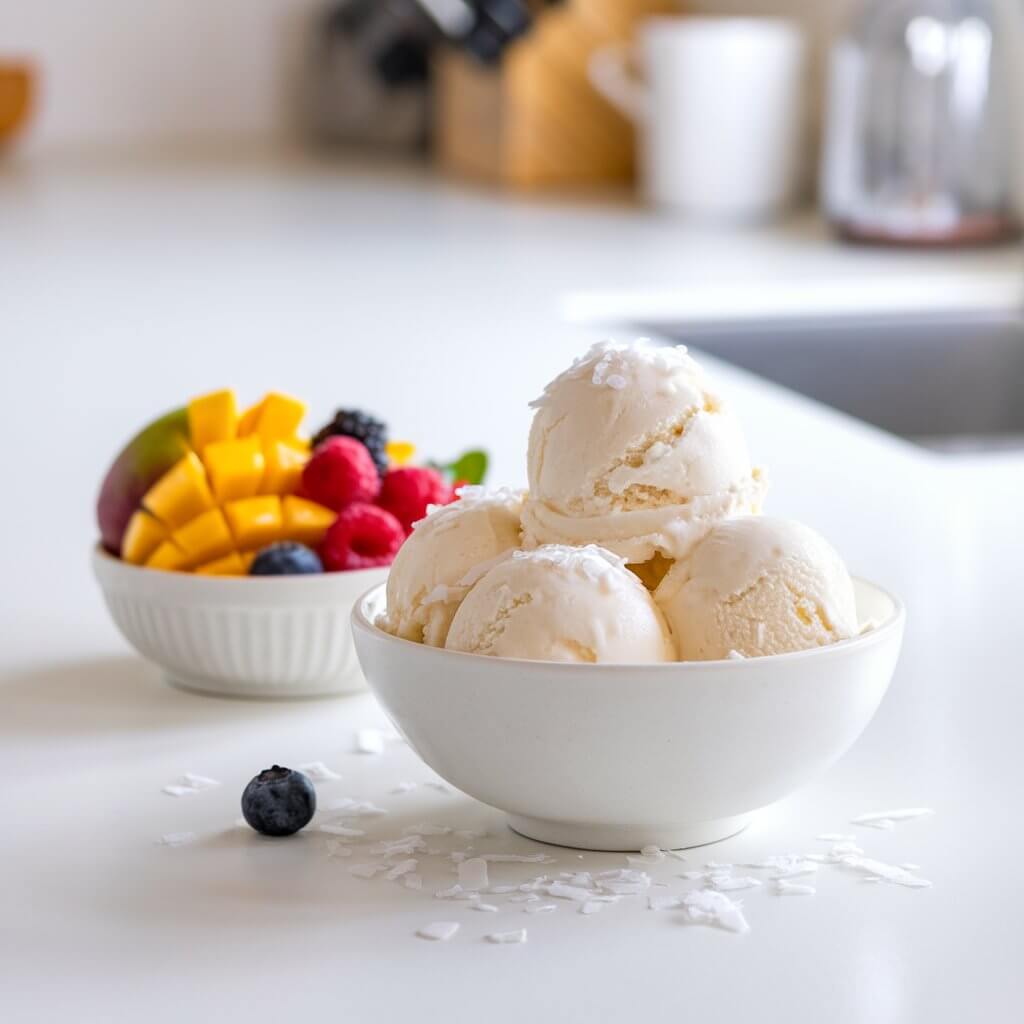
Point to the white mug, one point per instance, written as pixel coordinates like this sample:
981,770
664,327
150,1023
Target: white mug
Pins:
719,109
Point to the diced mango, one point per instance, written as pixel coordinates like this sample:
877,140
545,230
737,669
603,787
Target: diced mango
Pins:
235,467
255,522
168,556
248,420
280,417
180,494
212,417
284,465
234,564
142,537
400,453
204,538
306,521
300,444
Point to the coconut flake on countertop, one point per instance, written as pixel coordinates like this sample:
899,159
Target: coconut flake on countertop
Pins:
318,771
786,888
369,741
887,819
438,931
507,938
188,784
177,838
705,906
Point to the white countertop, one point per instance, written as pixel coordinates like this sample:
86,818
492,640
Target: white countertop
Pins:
122,292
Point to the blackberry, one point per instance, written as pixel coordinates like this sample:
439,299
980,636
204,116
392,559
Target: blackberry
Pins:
363,427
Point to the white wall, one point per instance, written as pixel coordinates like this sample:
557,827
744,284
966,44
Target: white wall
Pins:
131,73
158,72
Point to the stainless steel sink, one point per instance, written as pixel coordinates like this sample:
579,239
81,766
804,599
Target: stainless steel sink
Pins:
952,386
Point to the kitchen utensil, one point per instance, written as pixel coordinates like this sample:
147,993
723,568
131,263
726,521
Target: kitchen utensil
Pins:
719,106
919,144
617,757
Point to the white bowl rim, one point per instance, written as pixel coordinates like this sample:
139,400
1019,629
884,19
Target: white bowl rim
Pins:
879,634
103,560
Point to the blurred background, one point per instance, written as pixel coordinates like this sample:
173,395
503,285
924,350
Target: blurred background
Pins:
826,192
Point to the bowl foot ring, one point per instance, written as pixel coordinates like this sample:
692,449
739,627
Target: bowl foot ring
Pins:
627,838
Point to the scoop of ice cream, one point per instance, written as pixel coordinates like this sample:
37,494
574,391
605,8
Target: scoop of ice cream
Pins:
758,585
630,449
561,604
434,567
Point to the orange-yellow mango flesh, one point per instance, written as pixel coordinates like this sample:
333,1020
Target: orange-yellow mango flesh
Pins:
204,538
212,417
180,494
255,522
142,537
305,520
235,467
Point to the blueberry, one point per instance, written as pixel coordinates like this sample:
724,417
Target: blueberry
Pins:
286,558
278,802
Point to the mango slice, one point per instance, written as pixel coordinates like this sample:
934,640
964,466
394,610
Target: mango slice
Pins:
255,522
280,416
306,521
248,420
235,564
168,556
180,494
212,417
235,467
284,464
143,535
204,538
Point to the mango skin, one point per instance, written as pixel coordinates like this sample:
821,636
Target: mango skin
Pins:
142,462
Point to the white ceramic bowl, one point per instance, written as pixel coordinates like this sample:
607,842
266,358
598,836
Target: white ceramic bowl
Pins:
616,757
240,636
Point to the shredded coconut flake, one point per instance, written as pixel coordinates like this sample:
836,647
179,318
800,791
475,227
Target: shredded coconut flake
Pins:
177,838
705,906
334,829
507,938
438,931
886,819
369,741
786,888
188,784
366,870
540,908
487,908
318,771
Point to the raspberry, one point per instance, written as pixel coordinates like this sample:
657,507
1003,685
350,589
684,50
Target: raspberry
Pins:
339,473
406,492
363,427
361,537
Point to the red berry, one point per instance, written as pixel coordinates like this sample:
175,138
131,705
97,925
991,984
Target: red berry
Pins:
340,473
361,537
407,491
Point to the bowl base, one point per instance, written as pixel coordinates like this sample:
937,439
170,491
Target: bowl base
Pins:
246,690
627,838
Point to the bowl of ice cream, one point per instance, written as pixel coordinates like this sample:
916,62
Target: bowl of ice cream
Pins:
629,653
620,756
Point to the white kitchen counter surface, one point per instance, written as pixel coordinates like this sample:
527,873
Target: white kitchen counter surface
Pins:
123,292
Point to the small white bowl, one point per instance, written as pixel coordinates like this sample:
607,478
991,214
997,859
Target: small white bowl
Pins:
618,757
240,636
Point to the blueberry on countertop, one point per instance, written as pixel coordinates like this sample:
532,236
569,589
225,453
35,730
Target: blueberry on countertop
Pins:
279,802
286,558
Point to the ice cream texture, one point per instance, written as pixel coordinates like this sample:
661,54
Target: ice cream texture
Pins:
758,585
631,449
441,558
558,603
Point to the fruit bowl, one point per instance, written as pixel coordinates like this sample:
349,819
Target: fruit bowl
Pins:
618,757
240,636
